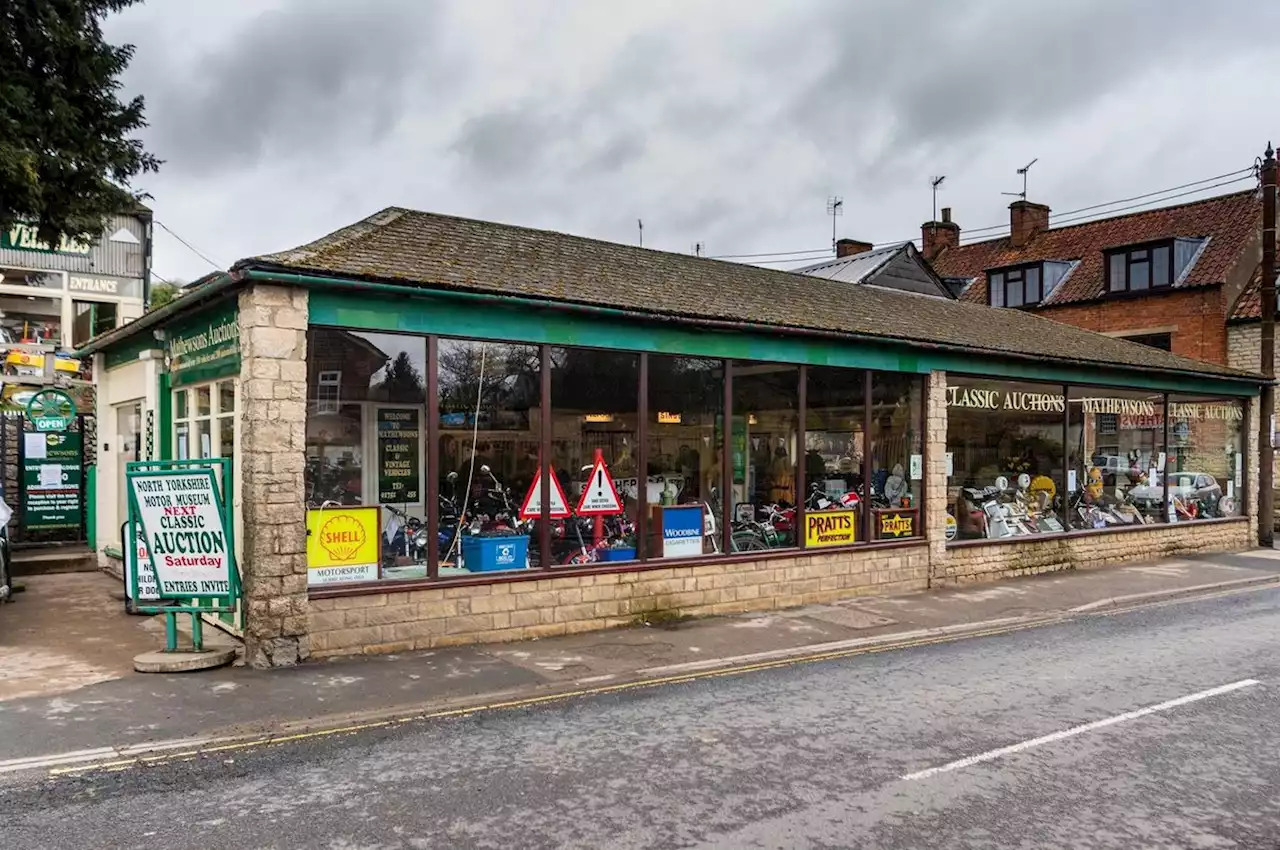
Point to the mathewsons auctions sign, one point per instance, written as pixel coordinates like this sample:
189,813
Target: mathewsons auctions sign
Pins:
185,532
206,346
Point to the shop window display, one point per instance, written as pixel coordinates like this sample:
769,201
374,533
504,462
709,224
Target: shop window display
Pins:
1206,461
897,454
764,442
1115,458
489,404
364,440
684,455
1004,458
594,427
835,449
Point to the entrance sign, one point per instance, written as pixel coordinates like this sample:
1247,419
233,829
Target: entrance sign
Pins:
599,496
830,528
531,508
343,544
185,531
51,410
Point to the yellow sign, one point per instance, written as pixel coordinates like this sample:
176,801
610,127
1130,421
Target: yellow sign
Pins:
667,418
343,545
830,528
896,524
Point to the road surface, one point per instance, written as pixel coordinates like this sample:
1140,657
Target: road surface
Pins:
1156,728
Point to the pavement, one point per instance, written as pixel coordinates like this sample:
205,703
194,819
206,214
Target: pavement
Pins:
69,695
1148,727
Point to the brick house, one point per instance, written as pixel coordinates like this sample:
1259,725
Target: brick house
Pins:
1170,277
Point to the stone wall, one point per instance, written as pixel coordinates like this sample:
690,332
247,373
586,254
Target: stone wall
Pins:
988,561
273,381
517,610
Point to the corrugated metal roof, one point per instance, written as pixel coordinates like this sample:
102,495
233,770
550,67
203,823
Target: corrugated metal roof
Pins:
855,269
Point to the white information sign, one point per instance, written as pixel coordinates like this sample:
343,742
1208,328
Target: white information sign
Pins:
136,560
35,446
1239,464
1071,480
917,467
951,464
184,532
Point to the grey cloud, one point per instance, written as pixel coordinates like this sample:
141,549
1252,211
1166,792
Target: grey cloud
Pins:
505,143
951,71
316,76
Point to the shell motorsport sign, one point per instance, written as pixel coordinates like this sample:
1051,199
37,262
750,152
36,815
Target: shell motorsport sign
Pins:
185,532
343,545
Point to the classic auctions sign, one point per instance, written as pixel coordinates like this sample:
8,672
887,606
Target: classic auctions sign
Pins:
830,528
185,532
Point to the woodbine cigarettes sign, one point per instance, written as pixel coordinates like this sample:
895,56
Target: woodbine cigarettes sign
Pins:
185,532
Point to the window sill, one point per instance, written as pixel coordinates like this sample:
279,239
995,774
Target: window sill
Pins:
1092,532
403,585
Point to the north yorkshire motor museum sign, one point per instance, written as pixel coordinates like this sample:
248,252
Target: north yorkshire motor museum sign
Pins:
185,532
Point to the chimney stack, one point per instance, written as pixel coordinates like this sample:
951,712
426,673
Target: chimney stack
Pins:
850,247
936,236
1025,221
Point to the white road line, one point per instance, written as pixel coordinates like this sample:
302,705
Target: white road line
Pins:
1078,730
101,754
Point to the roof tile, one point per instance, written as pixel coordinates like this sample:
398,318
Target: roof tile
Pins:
443,252
1231,222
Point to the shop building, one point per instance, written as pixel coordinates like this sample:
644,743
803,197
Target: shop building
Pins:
53,299
447,431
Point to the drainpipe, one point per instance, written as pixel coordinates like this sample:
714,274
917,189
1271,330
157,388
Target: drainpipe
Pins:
1266,424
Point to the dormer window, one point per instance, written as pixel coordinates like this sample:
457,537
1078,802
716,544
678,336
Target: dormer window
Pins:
1025,285
1154,265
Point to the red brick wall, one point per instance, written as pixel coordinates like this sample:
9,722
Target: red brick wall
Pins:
1196,319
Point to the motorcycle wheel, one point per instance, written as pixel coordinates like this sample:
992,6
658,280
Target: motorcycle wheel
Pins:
748,543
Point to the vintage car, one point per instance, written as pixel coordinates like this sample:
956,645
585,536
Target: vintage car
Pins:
1199,488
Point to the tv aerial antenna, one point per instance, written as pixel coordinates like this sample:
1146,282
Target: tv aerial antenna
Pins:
936,183
835,207
1023,171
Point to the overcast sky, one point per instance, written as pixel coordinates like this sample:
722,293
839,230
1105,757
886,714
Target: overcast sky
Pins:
720,122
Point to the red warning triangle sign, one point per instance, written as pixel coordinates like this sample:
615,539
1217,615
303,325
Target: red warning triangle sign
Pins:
532,506
599,496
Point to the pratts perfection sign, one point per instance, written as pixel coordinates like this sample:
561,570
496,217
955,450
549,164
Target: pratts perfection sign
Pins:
186,534
830,528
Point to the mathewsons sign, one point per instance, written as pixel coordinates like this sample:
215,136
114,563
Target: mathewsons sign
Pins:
185,532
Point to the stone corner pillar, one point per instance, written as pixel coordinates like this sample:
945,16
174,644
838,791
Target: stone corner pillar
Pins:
273,412
934,513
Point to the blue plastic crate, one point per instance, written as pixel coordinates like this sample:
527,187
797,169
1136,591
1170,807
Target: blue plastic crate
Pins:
485,554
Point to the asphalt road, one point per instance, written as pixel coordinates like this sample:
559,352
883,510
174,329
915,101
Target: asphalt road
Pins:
859,752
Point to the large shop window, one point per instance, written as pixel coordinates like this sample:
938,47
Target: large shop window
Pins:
1206,458
594,431
684,453
1132,458
647,457
490,399
1116,454
764,443
1004,458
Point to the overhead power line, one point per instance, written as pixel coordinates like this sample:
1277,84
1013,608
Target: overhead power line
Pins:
768,254
1157,201
193,249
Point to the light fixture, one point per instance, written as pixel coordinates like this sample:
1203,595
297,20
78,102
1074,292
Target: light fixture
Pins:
668,418
598,417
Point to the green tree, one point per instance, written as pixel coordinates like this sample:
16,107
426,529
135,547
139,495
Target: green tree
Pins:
66,152
162,293
401,381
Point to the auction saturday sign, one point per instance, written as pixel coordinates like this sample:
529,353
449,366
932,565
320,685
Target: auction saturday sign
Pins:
185,531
